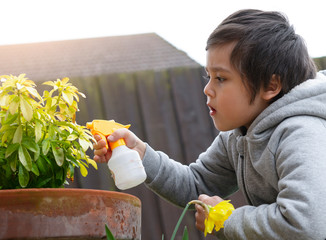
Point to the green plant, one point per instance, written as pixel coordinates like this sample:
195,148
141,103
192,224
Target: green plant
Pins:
185,236
41,143
109,235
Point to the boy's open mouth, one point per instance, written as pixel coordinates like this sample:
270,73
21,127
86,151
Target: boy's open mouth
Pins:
212,110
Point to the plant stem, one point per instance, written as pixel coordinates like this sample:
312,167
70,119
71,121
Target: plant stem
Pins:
201,204
179,221
19,111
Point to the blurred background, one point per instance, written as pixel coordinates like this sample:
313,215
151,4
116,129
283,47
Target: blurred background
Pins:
140,63
186,24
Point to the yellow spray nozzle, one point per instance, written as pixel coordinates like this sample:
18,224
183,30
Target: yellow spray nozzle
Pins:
104,128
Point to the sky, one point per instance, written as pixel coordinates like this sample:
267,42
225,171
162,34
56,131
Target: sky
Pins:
186,24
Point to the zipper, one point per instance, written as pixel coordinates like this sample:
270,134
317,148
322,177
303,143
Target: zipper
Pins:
245,191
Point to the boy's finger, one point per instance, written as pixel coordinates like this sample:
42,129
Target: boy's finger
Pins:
99,159
100,144
203,197
97,137
210,200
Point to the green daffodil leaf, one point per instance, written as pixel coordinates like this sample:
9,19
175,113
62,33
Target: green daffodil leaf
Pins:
109,235
185,235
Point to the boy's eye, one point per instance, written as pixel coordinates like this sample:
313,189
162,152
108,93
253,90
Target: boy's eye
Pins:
220,79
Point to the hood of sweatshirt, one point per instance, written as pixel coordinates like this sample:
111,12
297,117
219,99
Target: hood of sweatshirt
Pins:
308,98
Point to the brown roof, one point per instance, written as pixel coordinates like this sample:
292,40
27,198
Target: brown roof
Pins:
91,57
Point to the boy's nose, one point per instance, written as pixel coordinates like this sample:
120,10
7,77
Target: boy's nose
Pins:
208,91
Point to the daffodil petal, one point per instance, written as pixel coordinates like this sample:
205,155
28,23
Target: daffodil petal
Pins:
209,225
217,216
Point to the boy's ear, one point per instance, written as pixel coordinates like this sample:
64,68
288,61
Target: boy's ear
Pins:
273,89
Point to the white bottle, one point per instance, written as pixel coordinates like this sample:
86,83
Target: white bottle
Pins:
126,166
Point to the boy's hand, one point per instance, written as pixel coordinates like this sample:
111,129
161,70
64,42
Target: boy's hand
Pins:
200,214
101,154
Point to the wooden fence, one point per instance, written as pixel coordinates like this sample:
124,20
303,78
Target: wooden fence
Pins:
320,63
168,110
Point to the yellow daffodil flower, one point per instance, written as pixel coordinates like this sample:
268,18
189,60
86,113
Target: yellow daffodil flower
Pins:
217,216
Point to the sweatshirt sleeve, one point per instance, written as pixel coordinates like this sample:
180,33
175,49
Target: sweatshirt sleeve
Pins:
211,174
299,210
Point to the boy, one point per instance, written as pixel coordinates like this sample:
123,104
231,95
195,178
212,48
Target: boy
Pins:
272,143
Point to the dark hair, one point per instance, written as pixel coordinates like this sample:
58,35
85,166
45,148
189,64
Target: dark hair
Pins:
266,44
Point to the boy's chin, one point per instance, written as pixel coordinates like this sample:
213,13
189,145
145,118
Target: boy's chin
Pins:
222,127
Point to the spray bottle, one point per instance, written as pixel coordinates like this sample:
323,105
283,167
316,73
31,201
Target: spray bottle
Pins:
125,164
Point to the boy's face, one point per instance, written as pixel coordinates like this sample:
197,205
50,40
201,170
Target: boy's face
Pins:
227,97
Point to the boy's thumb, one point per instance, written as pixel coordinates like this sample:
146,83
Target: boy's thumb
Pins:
202,197
117,134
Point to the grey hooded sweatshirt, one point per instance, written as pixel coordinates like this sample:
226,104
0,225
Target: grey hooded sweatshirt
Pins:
279,164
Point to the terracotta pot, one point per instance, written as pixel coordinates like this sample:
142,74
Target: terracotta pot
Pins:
68,214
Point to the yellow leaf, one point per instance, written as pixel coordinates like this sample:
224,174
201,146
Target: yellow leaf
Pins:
92,162
38,131
4,78
65,80
13,105
3,100
72,137
82,94
4,137
50,83
29,83
68,97
83,170
76,96
84,144
26,109
21,76
34,92
19,86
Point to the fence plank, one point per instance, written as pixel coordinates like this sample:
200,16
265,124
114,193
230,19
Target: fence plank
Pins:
160,129
91,108
197,130
121,103
163,133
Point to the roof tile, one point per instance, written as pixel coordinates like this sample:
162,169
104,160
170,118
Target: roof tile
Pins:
92,56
